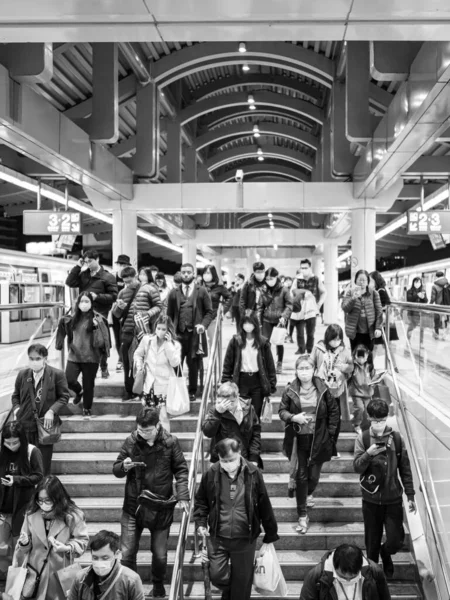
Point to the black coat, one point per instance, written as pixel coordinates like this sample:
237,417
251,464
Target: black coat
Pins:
203,314
257,501
327,420
55,395
219,294
266,367
103,284
248,300
165,461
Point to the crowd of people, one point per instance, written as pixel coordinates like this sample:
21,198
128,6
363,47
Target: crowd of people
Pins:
155,330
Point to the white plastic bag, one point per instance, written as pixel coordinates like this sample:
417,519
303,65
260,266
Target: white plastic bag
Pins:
278,336
266,412
268,579
177,401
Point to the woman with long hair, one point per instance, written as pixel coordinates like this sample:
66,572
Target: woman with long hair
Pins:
163,288
54,532
218,293
21,469
147,304
87,338
249,363
417,294
378,283
363,312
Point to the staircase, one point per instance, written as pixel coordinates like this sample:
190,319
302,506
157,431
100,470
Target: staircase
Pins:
84,459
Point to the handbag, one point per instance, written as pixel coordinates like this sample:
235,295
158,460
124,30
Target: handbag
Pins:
155,511
266,412
33,579
139,376
47,437
15,580
67,576
177,401
278,336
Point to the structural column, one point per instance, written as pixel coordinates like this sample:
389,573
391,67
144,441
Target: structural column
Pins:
317,265
189,252
125,235
330,255
146,158
104,123
363,239
173,151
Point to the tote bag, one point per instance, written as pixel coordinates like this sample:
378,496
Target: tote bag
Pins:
266,412
66,578
177,401
278,336
15,580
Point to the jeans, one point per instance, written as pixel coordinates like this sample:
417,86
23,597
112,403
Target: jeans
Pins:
193,362
306,481
310,326
231,564
375,517
131,535
267,329
127,340
362,338
89,371
250,387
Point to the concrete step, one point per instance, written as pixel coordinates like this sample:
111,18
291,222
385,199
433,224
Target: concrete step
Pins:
330,485
342,510
72,463
112,442
294,563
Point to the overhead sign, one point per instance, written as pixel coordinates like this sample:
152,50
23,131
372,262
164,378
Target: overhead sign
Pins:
437,241
50,222
433,221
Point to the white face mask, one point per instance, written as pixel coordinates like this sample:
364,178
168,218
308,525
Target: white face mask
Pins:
207,277
248,327
378,428
103,567
260,276
231,466
305,376
85,306
271,282
37,365
417,285
148,436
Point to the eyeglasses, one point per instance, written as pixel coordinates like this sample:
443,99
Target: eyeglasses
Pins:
378,421
45,501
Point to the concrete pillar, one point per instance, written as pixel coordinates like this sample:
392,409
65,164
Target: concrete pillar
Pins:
330,254
231,274
173,152
190,165
363,239
189,252
104,123
124,235
358,119
146,157
317,265
203,174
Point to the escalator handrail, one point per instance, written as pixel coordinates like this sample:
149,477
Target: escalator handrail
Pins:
25,306
415,306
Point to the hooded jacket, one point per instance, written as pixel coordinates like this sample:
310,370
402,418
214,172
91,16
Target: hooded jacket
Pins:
102,283
219,426
250,295
327,419
257,503
275,303
127,587
318,584
436,290
392,490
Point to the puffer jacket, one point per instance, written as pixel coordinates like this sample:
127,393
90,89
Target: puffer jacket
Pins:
219,426
250,292
352,309
219,294
101,339
159,362
327,419
164,462
103,284
412,295
436,290
127,587
275,303
257,503
392,490
127,294
231,370
358,384
148,300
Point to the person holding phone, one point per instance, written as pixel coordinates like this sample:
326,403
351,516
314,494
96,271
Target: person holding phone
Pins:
417,294
54,529
361,386
311,418
363,312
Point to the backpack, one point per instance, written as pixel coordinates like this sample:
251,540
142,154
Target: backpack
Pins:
446,295
374,476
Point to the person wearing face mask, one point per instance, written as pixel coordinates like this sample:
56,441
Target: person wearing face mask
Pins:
360,386
235,310
234,417
87,341
106,577
219,294
54,530
251,290
311,418
191,312
147,305
306,293
163,289
333,364
363,312
274,309
150,459
345,574
381,452
42,388
417,294
122,262
89,276
21,469
233,502
249,364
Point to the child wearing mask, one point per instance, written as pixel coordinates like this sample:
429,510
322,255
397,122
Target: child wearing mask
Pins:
360,385
333,364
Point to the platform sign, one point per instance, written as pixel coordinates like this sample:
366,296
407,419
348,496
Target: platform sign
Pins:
50,222
424,223
437,241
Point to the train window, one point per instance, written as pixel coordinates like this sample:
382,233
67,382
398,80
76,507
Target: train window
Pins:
31,295
14,299
44,277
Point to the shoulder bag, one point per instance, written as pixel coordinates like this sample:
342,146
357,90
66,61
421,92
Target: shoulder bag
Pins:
47,437
139,376
67,576
104,596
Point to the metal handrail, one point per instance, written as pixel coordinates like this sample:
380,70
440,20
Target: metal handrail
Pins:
7,307
435,308
415,460
210,387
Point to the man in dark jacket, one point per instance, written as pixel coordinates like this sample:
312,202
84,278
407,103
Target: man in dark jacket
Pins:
235,310
89,276
383,450
150,459
437,297
345,573
121,263
232,499
190,309
251,290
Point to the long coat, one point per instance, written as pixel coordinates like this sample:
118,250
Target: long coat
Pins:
203,314
75,534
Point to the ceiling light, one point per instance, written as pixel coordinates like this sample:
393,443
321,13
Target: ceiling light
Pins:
256,131
275,246
260,158
251,99
272,226
270,215
242,48
252,107
260,152
245,68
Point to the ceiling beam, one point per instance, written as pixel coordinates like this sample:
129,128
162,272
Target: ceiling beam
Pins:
265,167
222,158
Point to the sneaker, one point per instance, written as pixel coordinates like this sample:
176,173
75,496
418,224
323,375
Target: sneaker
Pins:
388,565
87,413
310,503
279,368
119,367
126,396
105,374
303,525
336,457
78,397
192,397
158,591
436,336
298,352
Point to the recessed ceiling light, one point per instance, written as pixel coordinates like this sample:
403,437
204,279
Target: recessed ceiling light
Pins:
256,131
260,152
245,68
252,106
270,215
251,99
242,48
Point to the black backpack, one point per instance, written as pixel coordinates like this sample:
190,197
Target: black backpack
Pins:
375,475
446,295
